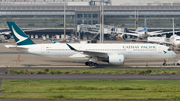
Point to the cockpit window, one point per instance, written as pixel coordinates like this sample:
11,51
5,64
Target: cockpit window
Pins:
177,39
169,49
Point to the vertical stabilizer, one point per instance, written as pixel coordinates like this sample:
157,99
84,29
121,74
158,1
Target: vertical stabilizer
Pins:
145,22
173,25
20,37
52,40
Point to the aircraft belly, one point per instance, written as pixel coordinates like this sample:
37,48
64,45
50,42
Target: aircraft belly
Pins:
148,55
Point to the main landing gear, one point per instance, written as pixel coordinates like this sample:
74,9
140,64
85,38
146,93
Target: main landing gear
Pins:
91,64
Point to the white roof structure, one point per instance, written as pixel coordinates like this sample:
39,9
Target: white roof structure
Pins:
144,2
86,2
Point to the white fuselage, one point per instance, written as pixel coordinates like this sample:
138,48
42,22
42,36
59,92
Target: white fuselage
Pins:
140,34
175,40
128,50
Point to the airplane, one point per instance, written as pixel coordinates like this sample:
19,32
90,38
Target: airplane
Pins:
52,40
141,33
114,54
173,40
2,38
5,36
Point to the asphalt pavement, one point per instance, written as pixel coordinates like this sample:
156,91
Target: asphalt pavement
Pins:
75,100
66,76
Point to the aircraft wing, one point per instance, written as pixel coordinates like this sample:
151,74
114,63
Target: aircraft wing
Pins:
157,33
8,32
133,34
169,43
5,33
14,47
170,32
90,53
132,31
151,41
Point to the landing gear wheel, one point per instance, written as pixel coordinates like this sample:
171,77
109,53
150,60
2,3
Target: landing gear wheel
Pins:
87,63
91,64
164,64
95,64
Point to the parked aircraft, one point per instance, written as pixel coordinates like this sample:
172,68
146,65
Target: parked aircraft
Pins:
5,36
112,53
173,40
141,33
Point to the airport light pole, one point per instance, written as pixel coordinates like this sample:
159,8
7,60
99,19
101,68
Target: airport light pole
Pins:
173,25
102,18
135,18
103,22
100,22
64,19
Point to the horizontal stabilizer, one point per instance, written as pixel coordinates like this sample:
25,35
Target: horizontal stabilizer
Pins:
14,47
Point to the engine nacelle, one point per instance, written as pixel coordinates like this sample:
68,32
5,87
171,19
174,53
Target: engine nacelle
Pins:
124,36
125,30
7,36
116,59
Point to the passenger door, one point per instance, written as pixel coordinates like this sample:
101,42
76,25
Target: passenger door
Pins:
43,49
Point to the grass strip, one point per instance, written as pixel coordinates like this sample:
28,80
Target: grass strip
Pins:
90,89
95,71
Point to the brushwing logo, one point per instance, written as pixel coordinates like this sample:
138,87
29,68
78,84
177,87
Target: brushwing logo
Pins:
164,52
21,38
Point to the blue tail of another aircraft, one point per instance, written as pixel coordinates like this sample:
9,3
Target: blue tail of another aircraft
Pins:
52,40
145,23
145,29
20,37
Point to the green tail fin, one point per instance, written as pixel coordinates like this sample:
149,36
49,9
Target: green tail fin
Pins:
20,37
52,40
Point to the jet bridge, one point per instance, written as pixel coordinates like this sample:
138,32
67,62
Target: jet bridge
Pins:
94,30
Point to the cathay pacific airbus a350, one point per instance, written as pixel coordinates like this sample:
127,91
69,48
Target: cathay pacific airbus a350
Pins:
112,53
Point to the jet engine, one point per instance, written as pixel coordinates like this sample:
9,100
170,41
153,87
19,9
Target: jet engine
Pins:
7,36
124,36
125,30
116,59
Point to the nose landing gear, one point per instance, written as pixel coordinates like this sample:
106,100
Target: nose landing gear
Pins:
91,64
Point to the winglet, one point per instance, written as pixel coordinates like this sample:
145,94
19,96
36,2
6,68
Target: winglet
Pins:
71,47
52,40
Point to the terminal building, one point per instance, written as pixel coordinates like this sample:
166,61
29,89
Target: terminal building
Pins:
48,15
